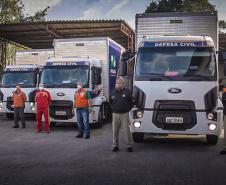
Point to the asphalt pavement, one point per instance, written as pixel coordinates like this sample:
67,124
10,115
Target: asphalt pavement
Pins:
27,158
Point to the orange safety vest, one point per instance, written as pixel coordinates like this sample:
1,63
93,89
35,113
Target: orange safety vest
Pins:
81,99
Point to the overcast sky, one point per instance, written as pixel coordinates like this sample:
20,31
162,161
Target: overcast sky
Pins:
100,9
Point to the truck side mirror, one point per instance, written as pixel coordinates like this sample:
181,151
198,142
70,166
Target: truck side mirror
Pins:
224,58
96,75
122,68
125,56
34,79
97,70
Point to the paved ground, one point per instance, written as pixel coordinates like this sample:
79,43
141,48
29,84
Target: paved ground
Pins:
59,158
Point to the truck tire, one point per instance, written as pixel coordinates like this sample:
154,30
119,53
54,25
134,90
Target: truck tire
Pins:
100,118
138,137
212,139
52,124
10,115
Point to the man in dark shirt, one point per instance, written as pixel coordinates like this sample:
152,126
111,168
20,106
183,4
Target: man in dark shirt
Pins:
121,102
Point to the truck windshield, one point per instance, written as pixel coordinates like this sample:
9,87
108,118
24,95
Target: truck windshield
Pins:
12,78
176,63
65,76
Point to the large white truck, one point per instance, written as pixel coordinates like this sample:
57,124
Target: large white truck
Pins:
27,62
94,61
175,81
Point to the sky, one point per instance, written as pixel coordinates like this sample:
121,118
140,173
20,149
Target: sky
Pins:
100,9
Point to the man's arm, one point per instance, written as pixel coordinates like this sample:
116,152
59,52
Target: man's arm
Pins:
24,97
49,98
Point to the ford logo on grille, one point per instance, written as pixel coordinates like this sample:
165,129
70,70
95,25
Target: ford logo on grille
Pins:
174,90
60,94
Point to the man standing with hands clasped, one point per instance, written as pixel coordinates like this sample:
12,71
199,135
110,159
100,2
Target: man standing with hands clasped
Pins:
43,100
19,98
121,102
83,105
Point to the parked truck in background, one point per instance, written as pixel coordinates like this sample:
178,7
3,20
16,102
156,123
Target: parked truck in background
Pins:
27,62
175,81
94,61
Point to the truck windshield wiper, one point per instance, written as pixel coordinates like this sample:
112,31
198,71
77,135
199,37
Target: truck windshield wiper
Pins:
195,75
157,74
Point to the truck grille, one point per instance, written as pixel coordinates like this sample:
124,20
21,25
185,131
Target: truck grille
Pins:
172,108
9,103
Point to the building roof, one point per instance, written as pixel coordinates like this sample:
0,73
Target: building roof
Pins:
40,35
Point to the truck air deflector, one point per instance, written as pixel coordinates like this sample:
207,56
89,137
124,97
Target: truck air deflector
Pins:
210,99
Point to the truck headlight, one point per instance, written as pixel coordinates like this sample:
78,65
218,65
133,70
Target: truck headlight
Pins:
212,126
0,108
210,116
32,103
33,109
137,124
1,103
139,114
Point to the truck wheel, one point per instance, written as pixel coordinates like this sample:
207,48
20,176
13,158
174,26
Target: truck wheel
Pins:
211,139
10,115
52,124
100,118
138,137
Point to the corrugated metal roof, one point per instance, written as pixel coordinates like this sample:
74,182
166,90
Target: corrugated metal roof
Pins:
40,35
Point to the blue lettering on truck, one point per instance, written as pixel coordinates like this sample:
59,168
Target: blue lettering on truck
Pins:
19,69
66,63
172,44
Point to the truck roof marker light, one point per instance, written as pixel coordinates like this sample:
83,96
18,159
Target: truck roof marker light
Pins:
209,43
141,44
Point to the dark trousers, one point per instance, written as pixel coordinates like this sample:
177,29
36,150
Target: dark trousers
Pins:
19,111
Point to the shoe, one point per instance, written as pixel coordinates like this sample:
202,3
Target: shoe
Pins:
48,132
23,126
87,137
129,149
38,132
16,126
222,152
115,149
79,136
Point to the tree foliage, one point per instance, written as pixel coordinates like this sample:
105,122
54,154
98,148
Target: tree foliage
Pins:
12,11
222,24
180,6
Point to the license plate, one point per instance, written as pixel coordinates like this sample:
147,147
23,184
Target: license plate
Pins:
174,120
60,112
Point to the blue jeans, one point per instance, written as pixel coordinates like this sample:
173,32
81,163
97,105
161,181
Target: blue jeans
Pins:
83,119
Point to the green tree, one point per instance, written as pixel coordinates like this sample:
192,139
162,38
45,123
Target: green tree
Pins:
180,6
222,24
12,11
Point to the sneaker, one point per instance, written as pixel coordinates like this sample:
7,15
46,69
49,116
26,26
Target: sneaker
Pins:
87,137
79,136
222,152
16,126
115,149
38,131
129,149
48,132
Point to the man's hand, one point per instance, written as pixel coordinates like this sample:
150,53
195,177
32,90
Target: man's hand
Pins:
73,111
90,110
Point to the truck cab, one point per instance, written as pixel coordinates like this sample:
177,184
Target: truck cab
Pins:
60,77
175,86
13,75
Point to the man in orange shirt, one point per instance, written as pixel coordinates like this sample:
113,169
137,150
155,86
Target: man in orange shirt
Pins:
19,98
43,100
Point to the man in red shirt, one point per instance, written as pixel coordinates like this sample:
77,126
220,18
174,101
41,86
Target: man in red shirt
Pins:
43,100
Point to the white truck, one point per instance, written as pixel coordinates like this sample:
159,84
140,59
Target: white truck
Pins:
27,62
94,61
175,81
